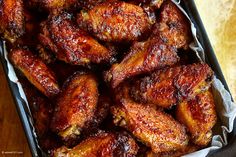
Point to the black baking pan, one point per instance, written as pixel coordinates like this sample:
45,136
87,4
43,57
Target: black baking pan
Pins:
190,8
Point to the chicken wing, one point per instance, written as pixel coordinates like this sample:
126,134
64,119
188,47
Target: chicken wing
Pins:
115,21
150,125
75,106
178,153
71,44
102,145
143,57
199,116
168,86
35,71
11,19
173,26
50,5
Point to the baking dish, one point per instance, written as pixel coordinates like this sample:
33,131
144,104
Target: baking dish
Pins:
24,111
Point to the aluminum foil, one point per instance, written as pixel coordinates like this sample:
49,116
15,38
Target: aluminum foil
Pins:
226,109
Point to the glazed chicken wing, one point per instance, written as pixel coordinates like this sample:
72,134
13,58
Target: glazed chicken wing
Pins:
153,127
199,116
178,153
51,5
75,106
101,145
143,57
168,86
173,26
35,71
71,44
115,21
11,19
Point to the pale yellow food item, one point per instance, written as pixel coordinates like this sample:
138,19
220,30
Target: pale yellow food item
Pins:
219,19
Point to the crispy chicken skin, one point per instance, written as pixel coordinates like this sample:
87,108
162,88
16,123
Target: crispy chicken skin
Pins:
51,5
155,4
115,21
101,145
90,4
178,153
75,106
11,19
153,127
143,57
35,71
173,26
199,116
168,86
71,44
